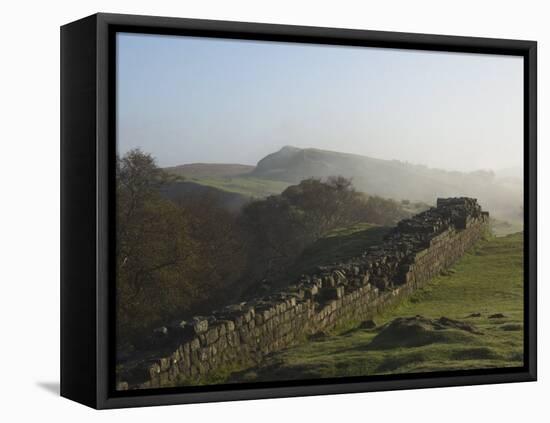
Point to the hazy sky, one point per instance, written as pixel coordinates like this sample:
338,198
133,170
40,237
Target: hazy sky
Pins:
188,100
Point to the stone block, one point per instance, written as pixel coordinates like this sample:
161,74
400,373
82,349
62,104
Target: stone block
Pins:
195,344
200,324
212,335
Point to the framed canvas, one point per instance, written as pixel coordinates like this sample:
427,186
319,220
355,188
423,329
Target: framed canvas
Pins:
256,211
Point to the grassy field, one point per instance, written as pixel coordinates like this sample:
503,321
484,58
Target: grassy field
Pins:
483,292
245,185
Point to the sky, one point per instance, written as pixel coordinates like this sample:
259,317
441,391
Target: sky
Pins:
206,100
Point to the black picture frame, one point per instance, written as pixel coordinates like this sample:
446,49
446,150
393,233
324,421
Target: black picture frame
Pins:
87,198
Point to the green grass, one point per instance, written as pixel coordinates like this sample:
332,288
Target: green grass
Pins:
245,185
488,280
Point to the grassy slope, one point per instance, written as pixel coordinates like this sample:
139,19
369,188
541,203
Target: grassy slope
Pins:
246,185
488,280
339,245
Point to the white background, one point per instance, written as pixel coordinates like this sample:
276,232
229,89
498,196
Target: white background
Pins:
29,129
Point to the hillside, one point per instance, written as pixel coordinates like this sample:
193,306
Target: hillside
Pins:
247,186
470,317
502,196
184,191
338,245
231,178
393,179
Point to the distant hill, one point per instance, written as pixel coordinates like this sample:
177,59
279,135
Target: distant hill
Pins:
392,178
209,170
502,196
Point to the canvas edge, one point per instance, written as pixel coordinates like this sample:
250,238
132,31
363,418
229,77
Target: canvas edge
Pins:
104,127
78,310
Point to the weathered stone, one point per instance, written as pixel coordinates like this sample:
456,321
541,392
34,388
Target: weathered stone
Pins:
212,336
200,324
328,281
194,344
164,364
413,252
154,370
248,316
202,339
330,293
311,291
203,354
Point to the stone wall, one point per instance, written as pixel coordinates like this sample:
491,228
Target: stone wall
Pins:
240,335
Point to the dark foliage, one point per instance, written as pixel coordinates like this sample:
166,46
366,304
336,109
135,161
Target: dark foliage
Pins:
282,226
187,254
171,258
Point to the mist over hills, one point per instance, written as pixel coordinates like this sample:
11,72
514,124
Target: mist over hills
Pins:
502,196
511,174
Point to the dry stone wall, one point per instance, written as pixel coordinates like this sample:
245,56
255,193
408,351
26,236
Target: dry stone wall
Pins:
240,335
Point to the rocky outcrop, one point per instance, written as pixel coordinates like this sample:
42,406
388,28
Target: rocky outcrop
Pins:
240,335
